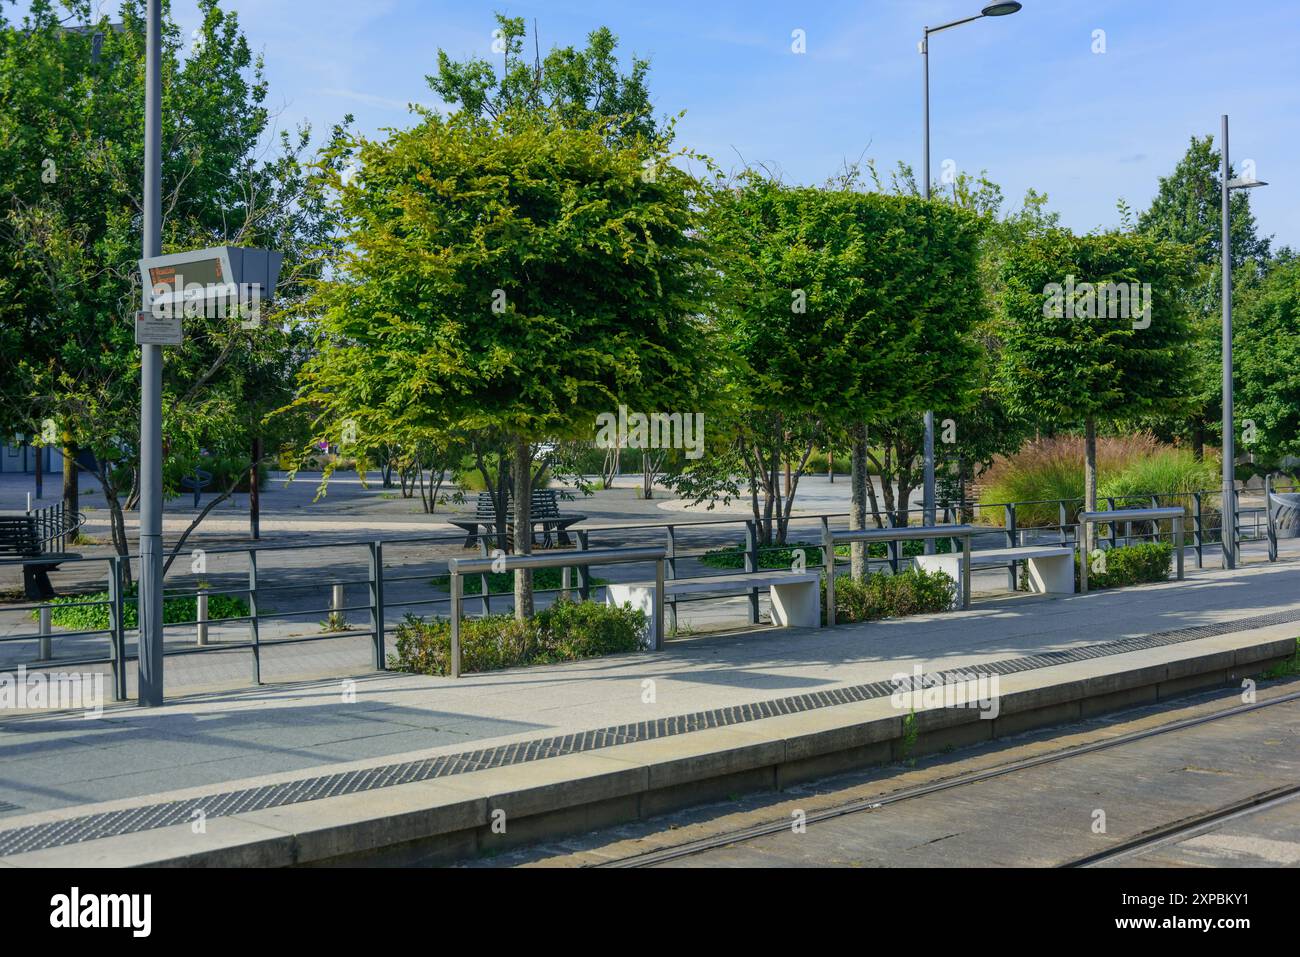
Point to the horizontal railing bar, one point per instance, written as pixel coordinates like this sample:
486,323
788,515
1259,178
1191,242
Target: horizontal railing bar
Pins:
903,533
606,556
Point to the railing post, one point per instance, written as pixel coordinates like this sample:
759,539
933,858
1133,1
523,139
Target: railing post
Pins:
46,652
116,629
751,566
658,619
201,616
1198,530
1062,516
377,601
1155,526
1114,526
253,630
1013,574
965,571
456,589
1178,544
670,548
483,584
584,573
828,564
1082,536
1268,518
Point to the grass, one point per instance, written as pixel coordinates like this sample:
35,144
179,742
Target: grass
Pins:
1045,470
1285,669
500,582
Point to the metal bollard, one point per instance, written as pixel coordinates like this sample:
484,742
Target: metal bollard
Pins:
201,627
456,592
336,608
46,651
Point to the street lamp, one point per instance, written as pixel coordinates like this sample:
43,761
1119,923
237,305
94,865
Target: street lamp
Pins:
1228,525
1001,9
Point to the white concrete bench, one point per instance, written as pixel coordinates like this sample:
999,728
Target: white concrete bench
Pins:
1051,567
796,596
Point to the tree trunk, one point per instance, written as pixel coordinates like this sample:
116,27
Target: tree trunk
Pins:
71,480
859,478
523,527
1089,478
255,493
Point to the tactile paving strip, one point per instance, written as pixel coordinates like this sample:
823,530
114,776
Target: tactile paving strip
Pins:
90,827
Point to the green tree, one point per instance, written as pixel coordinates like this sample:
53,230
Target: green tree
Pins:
1266,351
71,139
1187,209
511,275
1067,358
578,88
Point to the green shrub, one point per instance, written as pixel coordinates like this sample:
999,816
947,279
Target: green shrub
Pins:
176,611
566,631
543,578
1131,565
910,592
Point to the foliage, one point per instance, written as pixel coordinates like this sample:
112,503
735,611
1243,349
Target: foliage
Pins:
1048,469
71,165
1266,348
1188,210
565,631
1131,565
580,88
837,305
913,591
176,611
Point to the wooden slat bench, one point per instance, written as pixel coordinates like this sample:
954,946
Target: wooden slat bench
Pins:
21,543
545,510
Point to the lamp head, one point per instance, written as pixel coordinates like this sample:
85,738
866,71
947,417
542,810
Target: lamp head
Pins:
1002,9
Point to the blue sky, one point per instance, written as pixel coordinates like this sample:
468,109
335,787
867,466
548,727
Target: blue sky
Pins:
1023,97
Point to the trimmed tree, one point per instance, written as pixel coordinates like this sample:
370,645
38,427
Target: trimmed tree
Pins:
1094,329
515,275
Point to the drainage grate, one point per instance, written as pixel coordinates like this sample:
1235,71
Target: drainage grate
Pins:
132,820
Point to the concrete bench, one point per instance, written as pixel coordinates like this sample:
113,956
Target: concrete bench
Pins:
1051,567
796,596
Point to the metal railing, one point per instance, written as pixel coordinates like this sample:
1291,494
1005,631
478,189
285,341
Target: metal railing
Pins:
54,524
457,567
679,542
1175,515
832,537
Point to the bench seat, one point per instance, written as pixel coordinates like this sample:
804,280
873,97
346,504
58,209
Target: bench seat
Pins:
1051,567
796,596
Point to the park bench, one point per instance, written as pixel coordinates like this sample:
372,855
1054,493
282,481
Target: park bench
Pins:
21,543
796,596
545,510
1051,567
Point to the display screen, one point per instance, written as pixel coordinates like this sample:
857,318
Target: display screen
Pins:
205,272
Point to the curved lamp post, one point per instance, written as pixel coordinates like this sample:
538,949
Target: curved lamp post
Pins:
1001,9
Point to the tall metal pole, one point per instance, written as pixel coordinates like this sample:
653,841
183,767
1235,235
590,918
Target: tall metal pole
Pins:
151,559
927,501
1229,522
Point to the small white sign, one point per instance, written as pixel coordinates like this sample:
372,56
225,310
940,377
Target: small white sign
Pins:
150,330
